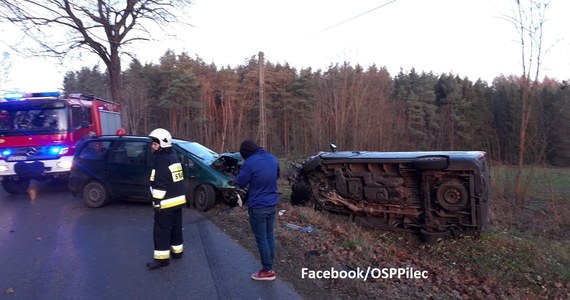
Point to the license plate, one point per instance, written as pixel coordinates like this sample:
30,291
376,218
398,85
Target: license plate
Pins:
16,158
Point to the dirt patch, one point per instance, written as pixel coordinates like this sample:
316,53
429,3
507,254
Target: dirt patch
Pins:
504,262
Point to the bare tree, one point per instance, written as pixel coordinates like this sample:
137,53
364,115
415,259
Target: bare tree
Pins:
528,18
102,27
5,66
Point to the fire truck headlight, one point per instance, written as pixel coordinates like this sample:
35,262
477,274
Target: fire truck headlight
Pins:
58,150
64,164
3,169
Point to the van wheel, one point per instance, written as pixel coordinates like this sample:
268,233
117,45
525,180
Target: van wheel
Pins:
300,194
452,195
95,194
204,197
16,186
433,236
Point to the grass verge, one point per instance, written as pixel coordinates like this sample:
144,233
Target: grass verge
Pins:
524,254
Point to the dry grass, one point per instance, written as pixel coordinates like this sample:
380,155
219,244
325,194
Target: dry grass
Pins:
524,255
537,218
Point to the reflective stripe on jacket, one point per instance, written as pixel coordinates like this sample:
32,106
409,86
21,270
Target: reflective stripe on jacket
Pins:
167,180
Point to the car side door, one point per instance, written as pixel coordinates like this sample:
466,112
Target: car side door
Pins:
128,168
89,163
191,171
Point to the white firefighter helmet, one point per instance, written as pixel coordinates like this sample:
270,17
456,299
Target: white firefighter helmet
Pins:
163,136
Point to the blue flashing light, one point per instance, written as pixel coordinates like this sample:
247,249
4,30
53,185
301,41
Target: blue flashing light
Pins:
17,96
55,150
58,150
43,95
13,96
6,152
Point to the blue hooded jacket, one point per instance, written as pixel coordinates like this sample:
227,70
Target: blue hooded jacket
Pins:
260,172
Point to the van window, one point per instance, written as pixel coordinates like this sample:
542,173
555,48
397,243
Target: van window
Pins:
129,152
95,150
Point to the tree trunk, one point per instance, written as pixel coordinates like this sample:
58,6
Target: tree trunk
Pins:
115,74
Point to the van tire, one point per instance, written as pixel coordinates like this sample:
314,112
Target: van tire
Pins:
300,194
434,236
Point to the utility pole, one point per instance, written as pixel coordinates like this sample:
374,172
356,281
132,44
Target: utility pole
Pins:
262,126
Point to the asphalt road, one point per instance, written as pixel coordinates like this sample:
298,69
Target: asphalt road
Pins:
54,247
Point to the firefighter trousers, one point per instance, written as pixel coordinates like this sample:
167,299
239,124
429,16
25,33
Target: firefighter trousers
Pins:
167,232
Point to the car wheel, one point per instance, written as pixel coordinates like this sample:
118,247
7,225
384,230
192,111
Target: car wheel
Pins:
19,186
431,163
94,194
204,197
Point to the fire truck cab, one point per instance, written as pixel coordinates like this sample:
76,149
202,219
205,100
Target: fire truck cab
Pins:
40,131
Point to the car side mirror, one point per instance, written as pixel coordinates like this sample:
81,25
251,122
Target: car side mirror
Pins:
188,163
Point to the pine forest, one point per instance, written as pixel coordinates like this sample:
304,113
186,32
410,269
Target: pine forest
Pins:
354,107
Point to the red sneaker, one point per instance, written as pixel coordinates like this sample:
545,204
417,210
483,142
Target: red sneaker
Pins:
263,275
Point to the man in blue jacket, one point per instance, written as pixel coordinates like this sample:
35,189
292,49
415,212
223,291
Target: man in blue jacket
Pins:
259,174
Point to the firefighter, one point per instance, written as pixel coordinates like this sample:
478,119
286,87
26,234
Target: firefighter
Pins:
168,198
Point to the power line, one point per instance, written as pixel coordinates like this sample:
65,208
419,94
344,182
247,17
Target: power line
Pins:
362,14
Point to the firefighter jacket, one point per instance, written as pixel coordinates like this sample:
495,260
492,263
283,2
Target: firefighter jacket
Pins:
167,180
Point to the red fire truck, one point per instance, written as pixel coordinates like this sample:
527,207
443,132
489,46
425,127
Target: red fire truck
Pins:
39,133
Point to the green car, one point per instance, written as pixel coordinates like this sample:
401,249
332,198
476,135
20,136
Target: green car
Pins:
110,167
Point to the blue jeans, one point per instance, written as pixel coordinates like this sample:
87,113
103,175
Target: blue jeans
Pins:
262,221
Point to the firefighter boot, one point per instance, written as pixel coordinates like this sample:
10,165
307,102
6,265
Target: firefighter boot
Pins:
158,263
176,255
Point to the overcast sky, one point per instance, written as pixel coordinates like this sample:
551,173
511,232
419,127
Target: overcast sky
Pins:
465,37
